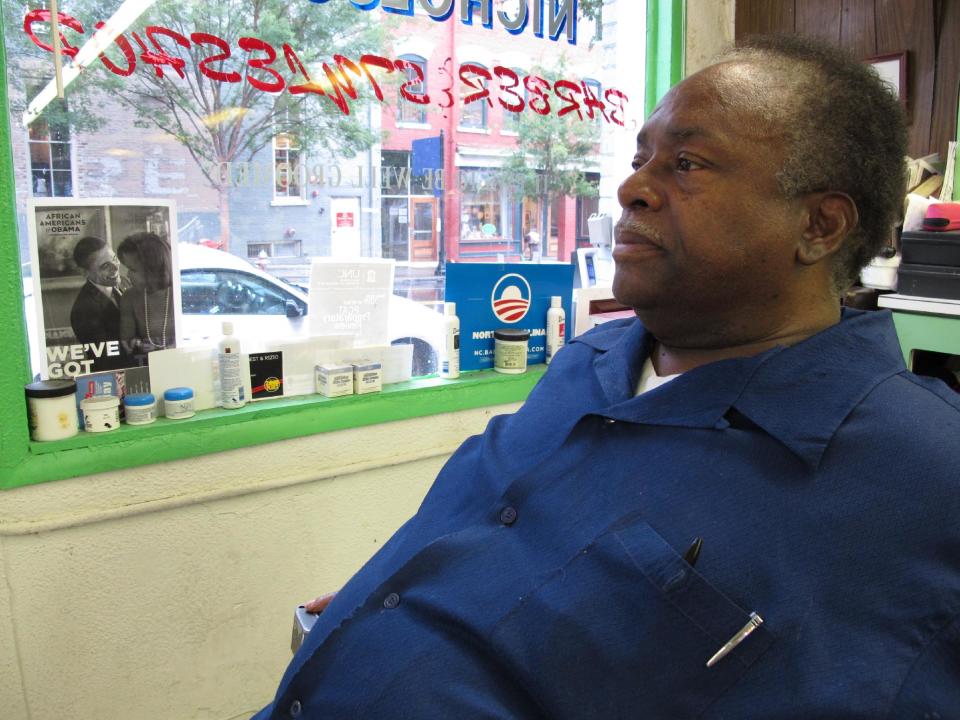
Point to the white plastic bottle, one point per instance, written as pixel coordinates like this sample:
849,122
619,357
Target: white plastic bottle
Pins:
450,347
556,327
231,378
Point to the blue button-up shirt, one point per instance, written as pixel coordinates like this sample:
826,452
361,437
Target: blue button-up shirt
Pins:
543,576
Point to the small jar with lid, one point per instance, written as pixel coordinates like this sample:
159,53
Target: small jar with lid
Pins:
178,403
141,408
52,409
510,350
101,413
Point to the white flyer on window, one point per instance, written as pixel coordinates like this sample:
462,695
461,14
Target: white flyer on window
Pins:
351,297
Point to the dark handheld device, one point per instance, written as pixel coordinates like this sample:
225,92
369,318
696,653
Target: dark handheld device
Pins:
302,623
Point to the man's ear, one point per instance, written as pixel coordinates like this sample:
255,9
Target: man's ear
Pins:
830,218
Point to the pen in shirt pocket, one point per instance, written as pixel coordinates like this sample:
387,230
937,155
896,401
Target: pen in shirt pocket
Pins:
753,622
693,552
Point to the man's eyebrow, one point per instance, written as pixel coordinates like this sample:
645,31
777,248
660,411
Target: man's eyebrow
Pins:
685,133
681,133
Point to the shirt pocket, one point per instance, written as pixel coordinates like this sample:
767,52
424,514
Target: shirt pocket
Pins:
624,630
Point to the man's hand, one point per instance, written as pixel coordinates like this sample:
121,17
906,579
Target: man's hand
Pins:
319,604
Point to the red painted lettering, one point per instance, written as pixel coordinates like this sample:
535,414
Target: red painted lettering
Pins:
35,16
377,61
571,104
341,83
128,54
510,89
205,66
592,103
419,98
539,90
618,100
482,91
162,58
253,45
293,62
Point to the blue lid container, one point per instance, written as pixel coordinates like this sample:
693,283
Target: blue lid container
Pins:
178,393
139,400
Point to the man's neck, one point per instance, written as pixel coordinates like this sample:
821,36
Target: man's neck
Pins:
670,358
105,289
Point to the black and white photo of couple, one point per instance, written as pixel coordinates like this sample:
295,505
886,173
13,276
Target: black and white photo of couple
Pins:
105,278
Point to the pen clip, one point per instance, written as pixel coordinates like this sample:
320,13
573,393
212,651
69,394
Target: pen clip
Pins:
693,552
753,623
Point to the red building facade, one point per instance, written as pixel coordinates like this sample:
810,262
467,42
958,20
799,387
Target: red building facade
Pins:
480,217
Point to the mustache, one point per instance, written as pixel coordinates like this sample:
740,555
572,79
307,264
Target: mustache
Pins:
637,227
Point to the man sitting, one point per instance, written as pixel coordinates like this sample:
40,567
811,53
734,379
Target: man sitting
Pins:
739,505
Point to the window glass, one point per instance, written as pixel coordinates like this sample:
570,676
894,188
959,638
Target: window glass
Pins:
415,70
474,97
228,292
274,134
286,167
593,93
587,206
51,171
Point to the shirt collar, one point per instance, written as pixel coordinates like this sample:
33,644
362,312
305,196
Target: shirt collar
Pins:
105,289
799,394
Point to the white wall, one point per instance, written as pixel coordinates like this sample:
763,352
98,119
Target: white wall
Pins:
710,26
167,592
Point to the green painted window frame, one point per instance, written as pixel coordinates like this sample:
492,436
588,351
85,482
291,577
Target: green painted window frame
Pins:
666,31
24,462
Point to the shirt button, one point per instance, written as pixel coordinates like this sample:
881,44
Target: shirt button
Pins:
295,708
391,601
508,516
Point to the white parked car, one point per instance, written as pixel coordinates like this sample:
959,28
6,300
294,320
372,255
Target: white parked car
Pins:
217,286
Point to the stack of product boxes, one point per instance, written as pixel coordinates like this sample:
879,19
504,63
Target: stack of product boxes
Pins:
930,264
336,380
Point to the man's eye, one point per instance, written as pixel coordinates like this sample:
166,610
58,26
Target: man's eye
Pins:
686,164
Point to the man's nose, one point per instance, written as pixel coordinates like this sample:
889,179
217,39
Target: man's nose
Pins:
639,191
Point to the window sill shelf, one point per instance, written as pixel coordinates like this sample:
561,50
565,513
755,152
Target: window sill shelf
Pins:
217,430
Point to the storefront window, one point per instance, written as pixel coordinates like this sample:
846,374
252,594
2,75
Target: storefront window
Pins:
304,130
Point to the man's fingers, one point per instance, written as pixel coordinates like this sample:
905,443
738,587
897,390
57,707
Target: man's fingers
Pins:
319,604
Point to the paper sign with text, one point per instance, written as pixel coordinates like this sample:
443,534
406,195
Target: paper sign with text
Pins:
351,297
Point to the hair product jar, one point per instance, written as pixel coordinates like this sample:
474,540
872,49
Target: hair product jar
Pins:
178,403
101,413
52,409
510,351
141,409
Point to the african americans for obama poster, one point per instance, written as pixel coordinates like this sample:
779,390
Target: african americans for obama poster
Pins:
105,282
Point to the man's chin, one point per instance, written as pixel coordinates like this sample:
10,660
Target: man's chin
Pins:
628,294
